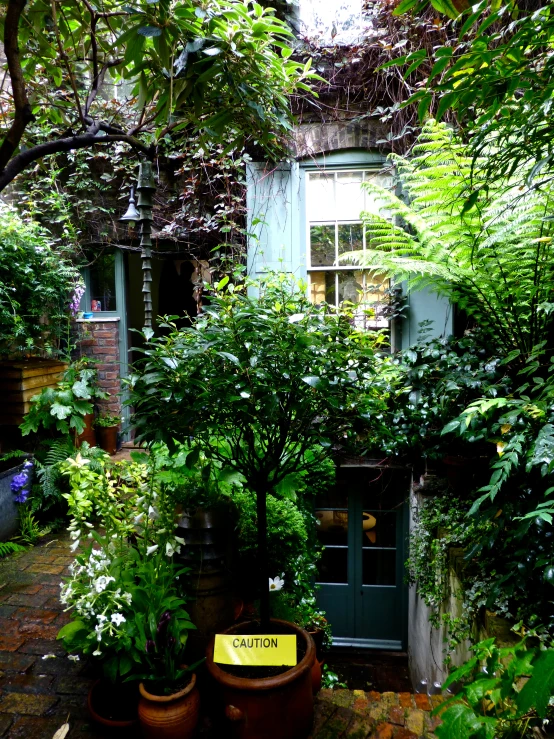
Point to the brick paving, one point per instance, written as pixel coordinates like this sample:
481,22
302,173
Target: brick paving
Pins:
38,695
356,714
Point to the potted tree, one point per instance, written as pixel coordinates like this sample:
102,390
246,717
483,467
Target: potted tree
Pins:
265,386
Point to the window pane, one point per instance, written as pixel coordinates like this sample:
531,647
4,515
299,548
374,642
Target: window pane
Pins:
321,197
379,529
351,286
333,565
317,287
322,246
330,288
379,567
350,196
372,203
102,283
332,527
351,237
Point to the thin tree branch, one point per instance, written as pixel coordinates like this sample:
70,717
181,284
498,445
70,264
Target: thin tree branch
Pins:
65,60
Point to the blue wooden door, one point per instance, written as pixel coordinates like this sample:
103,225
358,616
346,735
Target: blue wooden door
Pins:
363,525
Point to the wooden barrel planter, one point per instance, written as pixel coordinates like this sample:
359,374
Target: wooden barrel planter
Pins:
20,380
206,535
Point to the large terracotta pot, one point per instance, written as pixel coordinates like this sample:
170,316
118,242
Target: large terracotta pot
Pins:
89,434
317,672
170,716
275,707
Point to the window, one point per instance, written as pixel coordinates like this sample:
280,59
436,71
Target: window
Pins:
335,200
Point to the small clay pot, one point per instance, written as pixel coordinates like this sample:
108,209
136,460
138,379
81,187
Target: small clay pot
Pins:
107,438
98,711
170,716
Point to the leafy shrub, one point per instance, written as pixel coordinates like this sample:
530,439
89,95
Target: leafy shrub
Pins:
37,284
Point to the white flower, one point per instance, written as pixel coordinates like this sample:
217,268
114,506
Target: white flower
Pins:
127,597
75,534
138,518
276,583
151,549
96,653
74,546
118,619
153,513
48,656
101,618
180,541
102,583
73,657
169,550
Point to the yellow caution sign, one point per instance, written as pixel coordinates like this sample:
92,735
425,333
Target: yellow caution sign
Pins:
261,650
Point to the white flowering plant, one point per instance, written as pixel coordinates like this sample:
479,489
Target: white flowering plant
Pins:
125,580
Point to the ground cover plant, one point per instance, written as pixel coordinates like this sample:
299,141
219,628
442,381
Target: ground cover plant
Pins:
262,385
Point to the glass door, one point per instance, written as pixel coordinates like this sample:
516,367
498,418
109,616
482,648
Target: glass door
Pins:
363,528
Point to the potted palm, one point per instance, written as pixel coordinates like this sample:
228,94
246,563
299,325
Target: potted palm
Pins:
264,386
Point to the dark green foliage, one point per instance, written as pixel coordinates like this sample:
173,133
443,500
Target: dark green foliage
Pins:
506,693
37,282
495,260
264,386
497,77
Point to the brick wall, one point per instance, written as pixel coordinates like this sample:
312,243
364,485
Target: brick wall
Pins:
99,339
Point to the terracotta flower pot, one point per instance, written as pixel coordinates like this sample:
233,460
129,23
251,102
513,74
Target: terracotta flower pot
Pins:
89,434
170,716
316,673
104,697
107,438
271,707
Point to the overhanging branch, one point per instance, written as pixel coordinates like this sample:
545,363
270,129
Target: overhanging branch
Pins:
21,161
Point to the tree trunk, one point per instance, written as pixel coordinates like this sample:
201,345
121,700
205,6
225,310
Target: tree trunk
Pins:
261,510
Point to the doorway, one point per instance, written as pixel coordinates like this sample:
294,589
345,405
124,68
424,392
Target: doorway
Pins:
363,526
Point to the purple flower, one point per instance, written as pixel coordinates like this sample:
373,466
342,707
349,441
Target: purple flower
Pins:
22,497
19,482
76,299
163,623
150,646
28,465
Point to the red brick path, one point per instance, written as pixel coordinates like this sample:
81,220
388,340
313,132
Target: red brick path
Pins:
355,714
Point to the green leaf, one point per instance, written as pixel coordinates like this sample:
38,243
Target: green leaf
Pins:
537,690
60,411
149,31
459,721
70,630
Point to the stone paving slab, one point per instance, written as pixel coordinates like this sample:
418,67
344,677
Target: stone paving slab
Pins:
355,714
38,695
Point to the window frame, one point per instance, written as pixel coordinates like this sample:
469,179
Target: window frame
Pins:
340,161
